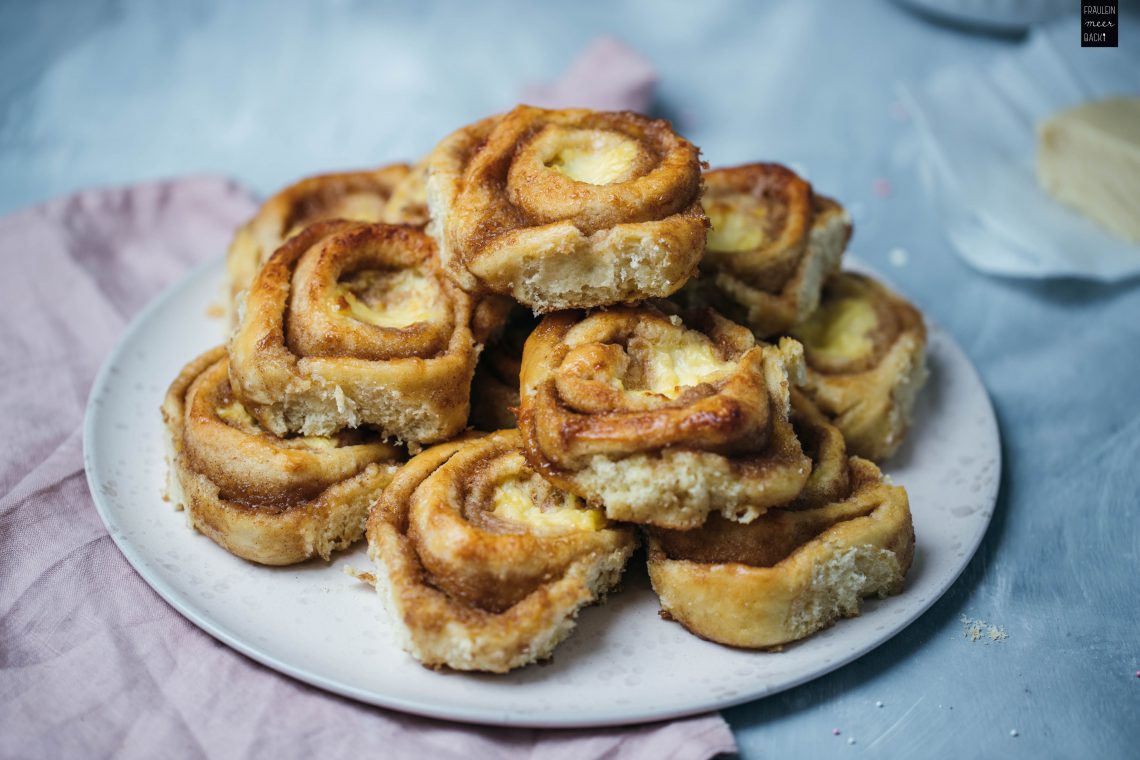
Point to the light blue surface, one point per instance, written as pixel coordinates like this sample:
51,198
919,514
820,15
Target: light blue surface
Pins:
102,93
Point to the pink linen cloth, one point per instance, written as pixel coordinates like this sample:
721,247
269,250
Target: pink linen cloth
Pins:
92,662
606,76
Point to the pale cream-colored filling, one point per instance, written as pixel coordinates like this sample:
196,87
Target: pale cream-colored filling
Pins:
513,502
680,361
392,299
840,329
607,160
739,223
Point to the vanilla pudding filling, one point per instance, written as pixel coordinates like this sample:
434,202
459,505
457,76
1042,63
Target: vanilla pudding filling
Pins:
671,363
538,508
739,223
840,330
391,299
597,157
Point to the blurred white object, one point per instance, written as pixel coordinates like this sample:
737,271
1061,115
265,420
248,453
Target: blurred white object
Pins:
996,15
1089,158
977,133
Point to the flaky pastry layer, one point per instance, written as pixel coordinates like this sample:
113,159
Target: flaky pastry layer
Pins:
349,324
567,209
772,244
661,420
380,195
269,500
483,563
790,573
865,350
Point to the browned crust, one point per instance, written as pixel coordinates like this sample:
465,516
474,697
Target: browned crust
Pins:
870,398
757,585
310,200
790,208
500,211
472,594
500,196
773,287
269,500
571,411
293,345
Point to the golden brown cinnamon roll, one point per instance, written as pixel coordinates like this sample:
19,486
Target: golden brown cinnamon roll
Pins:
408,204
865,350
270,500
662,420
351,324
360,196
485,564
567,209
772,244
794,570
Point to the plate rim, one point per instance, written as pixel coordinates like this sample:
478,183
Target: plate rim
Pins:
491,717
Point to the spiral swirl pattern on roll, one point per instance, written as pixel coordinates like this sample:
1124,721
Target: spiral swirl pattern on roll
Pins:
483,562
865,350
352,323
270,500
773,242
662,420
365,196
796,569
567,209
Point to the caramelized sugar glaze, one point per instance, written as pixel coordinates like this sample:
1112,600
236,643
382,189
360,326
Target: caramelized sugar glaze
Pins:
660,419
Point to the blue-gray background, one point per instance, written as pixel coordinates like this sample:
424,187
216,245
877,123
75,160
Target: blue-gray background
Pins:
95,93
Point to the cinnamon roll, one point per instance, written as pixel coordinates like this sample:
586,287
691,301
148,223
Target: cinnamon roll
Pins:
408,203
794,570
483,563
270,500
660,420
495,389
772,243
567,209
865,350
351,324
361,196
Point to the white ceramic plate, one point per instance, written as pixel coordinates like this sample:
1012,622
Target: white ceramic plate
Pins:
623,665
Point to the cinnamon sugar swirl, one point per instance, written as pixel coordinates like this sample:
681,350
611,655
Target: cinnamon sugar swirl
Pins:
772,243
795,570
662,420
271,500
483,563
351,324
360,196
567,209
865,350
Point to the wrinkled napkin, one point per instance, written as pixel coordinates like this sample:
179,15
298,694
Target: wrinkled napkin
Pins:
92,662
977,130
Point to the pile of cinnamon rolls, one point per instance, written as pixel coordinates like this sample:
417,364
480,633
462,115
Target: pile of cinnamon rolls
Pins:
658,355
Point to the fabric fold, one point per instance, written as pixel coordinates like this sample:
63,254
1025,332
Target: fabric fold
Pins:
92,662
